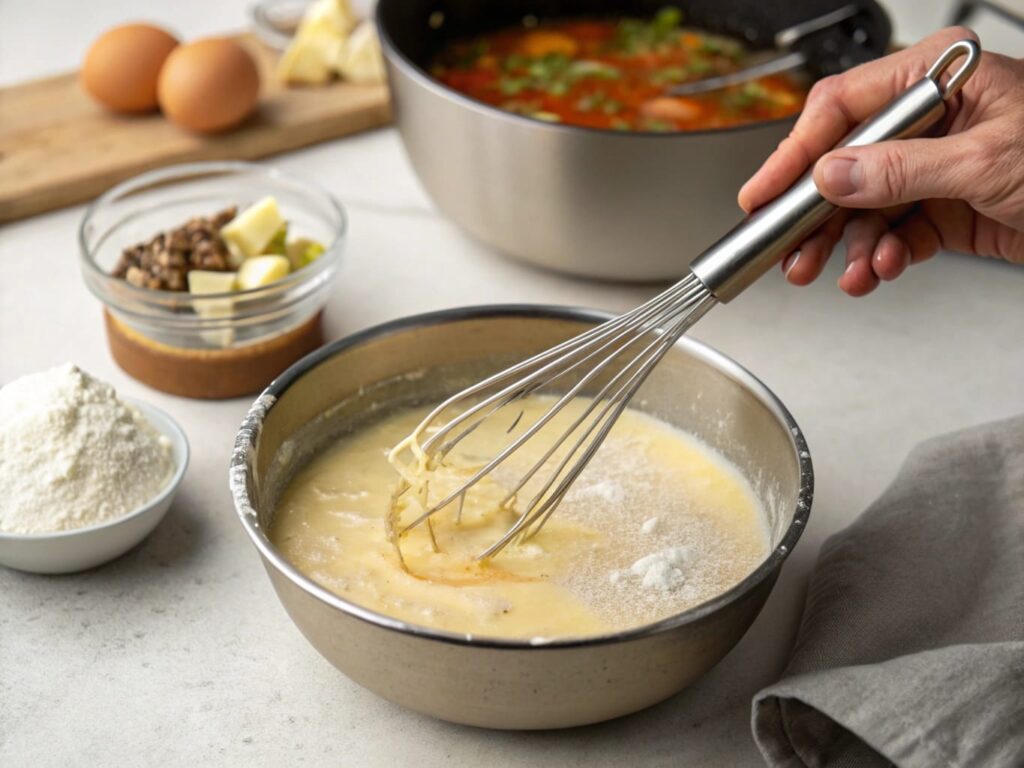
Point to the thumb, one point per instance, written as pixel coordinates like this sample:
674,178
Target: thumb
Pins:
892,173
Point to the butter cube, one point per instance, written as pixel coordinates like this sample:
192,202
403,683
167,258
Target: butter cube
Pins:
259,271
250,231
318,42
203,282
336,15
361,60
310,56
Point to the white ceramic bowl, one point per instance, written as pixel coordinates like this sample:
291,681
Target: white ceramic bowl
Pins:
82,548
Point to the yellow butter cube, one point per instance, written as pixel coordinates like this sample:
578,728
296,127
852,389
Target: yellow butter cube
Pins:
249,232
361,60
204,282
259,271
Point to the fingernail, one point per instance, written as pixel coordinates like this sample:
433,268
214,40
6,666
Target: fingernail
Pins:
904,254
877,262
842,277
789,262
842,175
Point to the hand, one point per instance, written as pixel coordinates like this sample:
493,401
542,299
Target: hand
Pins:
970,181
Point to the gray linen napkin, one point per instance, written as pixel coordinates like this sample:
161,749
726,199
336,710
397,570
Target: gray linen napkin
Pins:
911,647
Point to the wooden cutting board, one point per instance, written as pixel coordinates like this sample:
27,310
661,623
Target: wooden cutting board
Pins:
58,147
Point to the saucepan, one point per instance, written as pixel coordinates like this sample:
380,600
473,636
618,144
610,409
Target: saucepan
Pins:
513,683
605,204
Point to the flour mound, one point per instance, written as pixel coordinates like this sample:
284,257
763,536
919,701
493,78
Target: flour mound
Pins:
72,454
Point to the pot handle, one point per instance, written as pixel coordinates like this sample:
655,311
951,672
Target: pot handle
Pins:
774,230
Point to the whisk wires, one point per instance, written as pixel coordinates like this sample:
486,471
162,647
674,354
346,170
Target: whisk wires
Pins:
608,363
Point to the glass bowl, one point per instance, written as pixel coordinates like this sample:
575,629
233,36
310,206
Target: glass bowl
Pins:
214,345
275,21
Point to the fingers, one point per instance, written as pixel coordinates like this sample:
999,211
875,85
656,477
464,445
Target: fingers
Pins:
803,266
896,172
920,237
874,252
862,235
835,105
891,257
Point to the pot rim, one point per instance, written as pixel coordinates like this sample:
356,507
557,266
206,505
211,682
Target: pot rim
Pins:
397,57
248,435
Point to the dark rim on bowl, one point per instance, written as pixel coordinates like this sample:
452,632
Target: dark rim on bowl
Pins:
416,72
249,432
171,174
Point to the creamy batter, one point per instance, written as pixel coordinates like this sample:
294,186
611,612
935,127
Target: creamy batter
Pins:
657,523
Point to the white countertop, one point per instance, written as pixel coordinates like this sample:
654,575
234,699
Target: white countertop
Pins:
180,654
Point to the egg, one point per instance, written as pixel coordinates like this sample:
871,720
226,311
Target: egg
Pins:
209,85
122,67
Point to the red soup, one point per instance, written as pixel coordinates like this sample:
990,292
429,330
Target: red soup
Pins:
613,74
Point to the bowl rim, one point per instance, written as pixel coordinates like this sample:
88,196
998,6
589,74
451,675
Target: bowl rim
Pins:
396,56
179,444
270,35
172,174
248,435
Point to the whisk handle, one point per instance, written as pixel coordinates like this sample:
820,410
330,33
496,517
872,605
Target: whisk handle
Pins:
775,230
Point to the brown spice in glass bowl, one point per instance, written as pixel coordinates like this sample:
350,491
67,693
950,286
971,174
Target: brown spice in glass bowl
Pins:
163,263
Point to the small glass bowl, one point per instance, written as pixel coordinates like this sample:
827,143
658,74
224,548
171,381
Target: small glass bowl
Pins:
215,345
275,21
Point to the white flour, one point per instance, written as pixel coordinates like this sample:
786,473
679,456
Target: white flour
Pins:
650,525
659,570
72,454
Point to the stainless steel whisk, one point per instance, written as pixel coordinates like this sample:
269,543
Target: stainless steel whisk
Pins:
617,356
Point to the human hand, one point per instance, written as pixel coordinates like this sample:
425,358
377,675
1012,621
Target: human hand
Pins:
963,191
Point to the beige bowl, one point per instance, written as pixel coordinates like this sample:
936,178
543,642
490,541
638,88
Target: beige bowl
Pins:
514,683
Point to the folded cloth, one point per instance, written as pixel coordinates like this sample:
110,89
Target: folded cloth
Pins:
911,647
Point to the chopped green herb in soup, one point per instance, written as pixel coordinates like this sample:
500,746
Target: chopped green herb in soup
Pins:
613,74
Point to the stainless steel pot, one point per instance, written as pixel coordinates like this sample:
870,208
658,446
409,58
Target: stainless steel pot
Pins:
506,683
603,204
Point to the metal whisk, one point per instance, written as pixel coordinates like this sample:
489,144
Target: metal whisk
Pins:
614,359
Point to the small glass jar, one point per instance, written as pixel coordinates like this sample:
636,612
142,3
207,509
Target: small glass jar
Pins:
214,345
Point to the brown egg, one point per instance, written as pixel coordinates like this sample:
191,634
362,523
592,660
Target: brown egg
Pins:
121,68
209,85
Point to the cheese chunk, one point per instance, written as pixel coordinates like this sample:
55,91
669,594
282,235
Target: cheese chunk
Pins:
319,40
335,15
309,57
250,231
204,282
259,271
361,60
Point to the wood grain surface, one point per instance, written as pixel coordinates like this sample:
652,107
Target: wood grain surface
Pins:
58,147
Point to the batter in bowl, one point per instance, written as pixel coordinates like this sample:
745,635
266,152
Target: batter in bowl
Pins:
657,523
